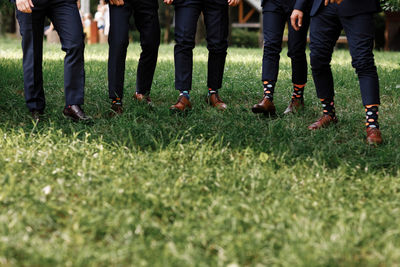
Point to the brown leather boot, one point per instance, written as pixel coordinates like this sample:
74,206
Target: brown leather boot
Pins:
374,136
265,106
294,106
323,122
142,98
183,104
215,101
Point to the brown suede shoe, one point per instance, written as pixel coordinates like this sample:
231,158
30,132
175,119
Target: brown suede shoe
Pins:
374,136
183,104
215,101
142,98
294,106
323,122
265,106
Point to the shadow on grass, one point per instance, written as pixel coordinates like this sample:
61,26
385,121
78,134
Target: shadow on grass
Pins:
237,128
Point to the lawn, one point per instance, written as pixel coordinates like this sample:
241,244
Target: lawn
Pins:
209,188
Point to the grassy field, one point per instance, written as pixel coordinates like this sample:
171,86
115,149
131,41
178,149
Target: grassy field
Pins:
150,188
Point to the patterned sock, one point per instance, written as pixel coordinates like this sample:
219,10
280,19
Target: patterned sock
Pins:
269,87
372,116
116,100
185,94
212,91
329,106
298,91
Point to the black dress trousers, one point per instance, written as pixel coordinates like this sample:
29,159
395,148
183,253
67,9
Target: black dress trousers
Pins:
145,13
276,14
326,27
216,19
66,19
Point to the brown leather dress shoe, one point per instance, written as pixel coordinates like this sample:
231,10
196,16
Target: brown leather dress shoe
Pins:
374,136
116,109
183,104
294,106
36,115
215,101
265,106
142,98
323,122
75,113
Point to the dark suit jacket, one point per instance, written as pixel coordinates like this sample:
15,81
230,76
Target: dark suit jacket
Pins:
191,2
347,8
274,5
285,5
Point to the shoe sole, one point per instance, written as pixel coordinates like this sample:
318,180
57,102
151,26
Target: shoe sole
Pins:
324,126
113,114
293,111
371,143
78,120
178,111
261,111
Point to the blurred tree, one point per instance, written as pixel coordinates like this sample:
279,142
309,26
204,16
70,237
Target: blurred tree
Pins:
390,5
7,17
166,13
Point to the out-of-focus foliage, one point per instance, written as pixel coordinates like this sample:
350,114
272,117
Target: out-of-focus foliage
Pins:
244,38
390,5
6,16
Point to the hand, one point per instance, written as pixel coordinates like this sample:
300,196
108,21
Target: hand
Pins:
24,5
233,2
168,2
117,2
296,19
332,2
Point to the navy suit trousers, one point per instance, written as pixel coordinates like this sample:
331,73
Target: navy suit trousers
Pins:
146,20
217,24
273,27
326,27
66,19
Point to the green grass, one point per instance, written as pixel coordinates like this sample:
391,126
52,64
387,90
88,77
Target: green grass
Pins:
153,189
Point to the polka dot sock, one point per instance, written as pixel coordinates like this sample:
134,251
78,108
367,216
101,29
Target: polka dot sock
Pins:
298,91
372,116
116,101
269,88
328,106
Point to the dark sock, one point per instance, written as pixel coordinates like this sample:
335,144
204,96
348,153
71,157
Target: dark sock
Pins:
212,91
372,112
185,94
298,91
116,100
269,87
329,106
